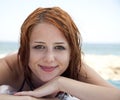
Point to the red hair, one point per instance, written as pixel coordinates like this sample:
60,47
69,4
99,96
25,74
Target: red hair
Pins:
65,24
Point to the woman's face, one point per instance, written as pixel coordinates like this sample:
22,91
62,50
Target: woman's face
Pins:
49,52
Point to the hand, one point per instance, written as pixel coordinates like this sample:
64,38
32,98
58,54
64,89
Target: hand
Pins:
49,88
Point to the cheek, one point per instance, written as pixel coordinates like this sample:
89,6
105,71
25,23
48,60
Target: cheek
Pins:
32,63
33,58
65,60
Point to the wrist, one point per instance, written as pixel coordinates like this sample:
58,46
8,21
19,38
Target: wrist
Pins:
61,82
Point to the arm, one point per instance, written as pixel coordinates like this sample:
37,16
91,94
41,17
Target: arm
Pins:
93,88
93,77
87,91
81,90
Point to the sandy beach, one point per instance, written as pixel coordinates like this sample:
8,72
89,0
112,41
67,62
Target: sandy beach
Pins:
108,66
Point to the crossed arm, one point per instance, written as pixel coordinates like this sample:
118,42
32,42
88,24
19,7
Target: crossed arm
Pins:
83,91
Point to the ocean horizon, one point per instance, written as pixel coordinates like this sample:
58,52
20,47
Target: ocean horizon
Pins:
101,48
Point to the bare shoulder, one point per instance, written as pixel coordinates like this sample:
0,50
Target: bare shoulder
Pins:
9,69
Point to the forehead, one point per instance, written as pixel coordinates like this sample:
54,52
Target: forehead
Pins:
46,31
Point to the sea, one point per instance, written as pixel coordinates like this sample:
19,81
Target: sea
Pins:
87,48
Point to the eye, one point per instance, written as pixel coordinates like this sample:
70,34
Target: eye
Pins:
60,47
39,47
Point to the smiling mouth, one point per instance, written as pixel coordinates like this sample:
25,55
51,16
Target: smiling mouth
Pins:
48,68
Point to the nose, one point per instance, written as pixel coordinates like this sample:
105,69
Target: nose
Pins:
49,56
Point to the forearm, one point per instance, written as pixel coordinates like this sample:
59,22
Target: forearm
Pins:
86,91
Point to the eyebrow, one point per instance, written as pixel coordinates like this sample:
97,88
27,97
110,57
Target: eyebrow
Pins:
54,43
39,42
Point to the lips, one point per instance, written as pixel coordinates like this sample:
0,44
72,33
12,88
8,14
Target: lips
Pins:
48,68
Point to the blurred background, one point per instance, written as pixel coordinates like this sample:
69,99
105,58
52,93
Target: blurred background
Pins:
97,20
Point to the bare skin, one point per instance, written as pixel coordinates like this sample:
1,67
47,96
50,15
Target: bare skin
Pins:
102,86
49,58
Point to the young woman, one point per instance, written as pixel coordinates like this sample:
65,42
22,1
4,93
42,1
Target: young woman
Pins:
49,65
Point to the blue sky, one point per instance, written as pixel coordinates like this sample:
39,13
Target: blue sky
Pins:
97,20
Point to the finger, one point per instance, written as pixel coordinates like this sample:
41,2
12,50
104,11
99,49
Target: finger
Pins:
28,93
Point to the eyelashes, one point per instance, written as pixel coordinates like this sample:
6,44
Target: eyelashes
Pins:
42,47
39,47
60,48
